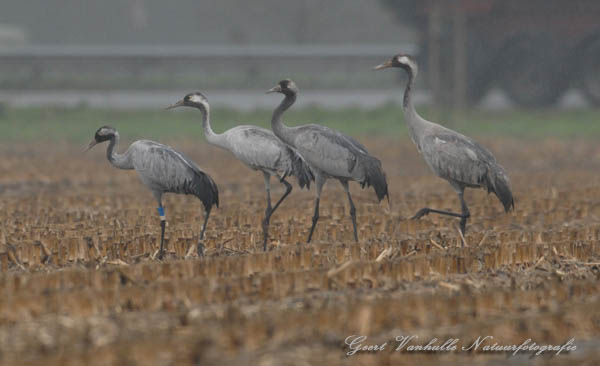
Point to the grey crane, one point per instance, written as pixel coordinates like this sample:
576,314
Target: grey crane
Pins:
259,149
162,169
451,155
329,153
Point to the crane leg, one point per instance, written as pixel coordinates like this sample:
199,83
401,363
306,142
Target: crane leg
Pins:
319,182
200,247
352,209
288,190
426,211
314,220
464,215
163,222
268,211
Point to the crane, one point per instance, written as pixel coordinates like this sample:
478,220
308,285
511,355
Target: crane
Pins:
259,149
329,153
450,155
162,169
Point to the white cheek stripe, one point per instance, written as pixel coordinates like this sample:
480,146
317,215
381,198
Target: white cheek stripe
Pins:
197,99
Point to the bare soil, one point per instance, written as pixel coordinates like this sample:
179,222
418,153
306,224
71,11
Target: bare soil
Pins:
79,283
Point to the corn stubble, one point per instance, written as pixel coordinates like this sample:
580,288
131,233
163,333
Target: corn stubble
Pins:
79,284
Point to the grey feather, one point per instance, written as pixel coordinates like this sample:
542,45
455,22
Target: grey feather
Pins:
260,149
339,156
300,169
336,136
466,163
181,175
500,185
257,148
375,177
449,154
163,169
329,154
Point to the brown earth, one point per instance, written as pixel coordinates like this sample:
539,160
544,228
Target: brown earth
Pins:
79,284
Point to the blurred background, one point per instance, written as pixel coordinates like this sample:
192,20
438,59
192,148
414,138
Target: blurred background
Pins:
77,279
482,55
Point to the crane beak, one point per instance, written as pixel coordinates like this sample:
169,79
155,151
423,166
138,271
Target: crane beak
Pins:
384,65
275,89
178,104
92,144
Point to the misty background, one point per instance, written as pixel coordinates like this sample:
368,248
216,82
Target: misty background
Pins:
138,53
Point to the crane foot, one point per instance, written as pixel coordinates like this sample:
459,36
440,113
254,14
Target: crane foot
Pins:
158,254
422,212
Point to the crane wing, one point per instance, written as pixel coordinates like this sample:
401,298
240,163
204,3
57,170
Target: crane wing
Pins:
458,158
329,150
258,148
348,139
163,168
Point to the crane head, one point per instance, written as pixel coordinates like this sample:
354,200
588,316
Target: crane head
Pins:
196,100
104,133
285,86
407,62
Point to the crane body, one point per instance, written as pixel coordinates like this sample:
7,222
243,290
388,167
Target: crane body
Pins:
163,170
450,155
329,153
259,149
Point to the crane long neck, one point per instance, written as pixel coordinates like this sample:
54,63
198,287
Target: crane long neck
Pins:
120,161
416,124
282,131
212,137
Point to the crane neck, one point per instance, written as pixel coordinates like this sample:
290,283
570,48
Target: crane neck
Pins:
282,131
407,104
416,124
210,135
120,161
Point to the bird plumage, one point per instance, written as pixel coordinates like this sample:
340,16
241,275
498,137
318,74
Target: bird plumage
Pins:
339,156
329,154
162,169
259,149
300,169
451,155
464,162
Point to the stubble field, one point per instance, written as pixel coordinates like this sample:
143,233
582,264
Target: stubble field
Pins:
79,284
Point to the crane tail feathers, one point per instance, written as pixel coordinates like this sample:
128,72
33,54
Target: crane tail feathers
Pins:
203,187
301,170
500,185
375,177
